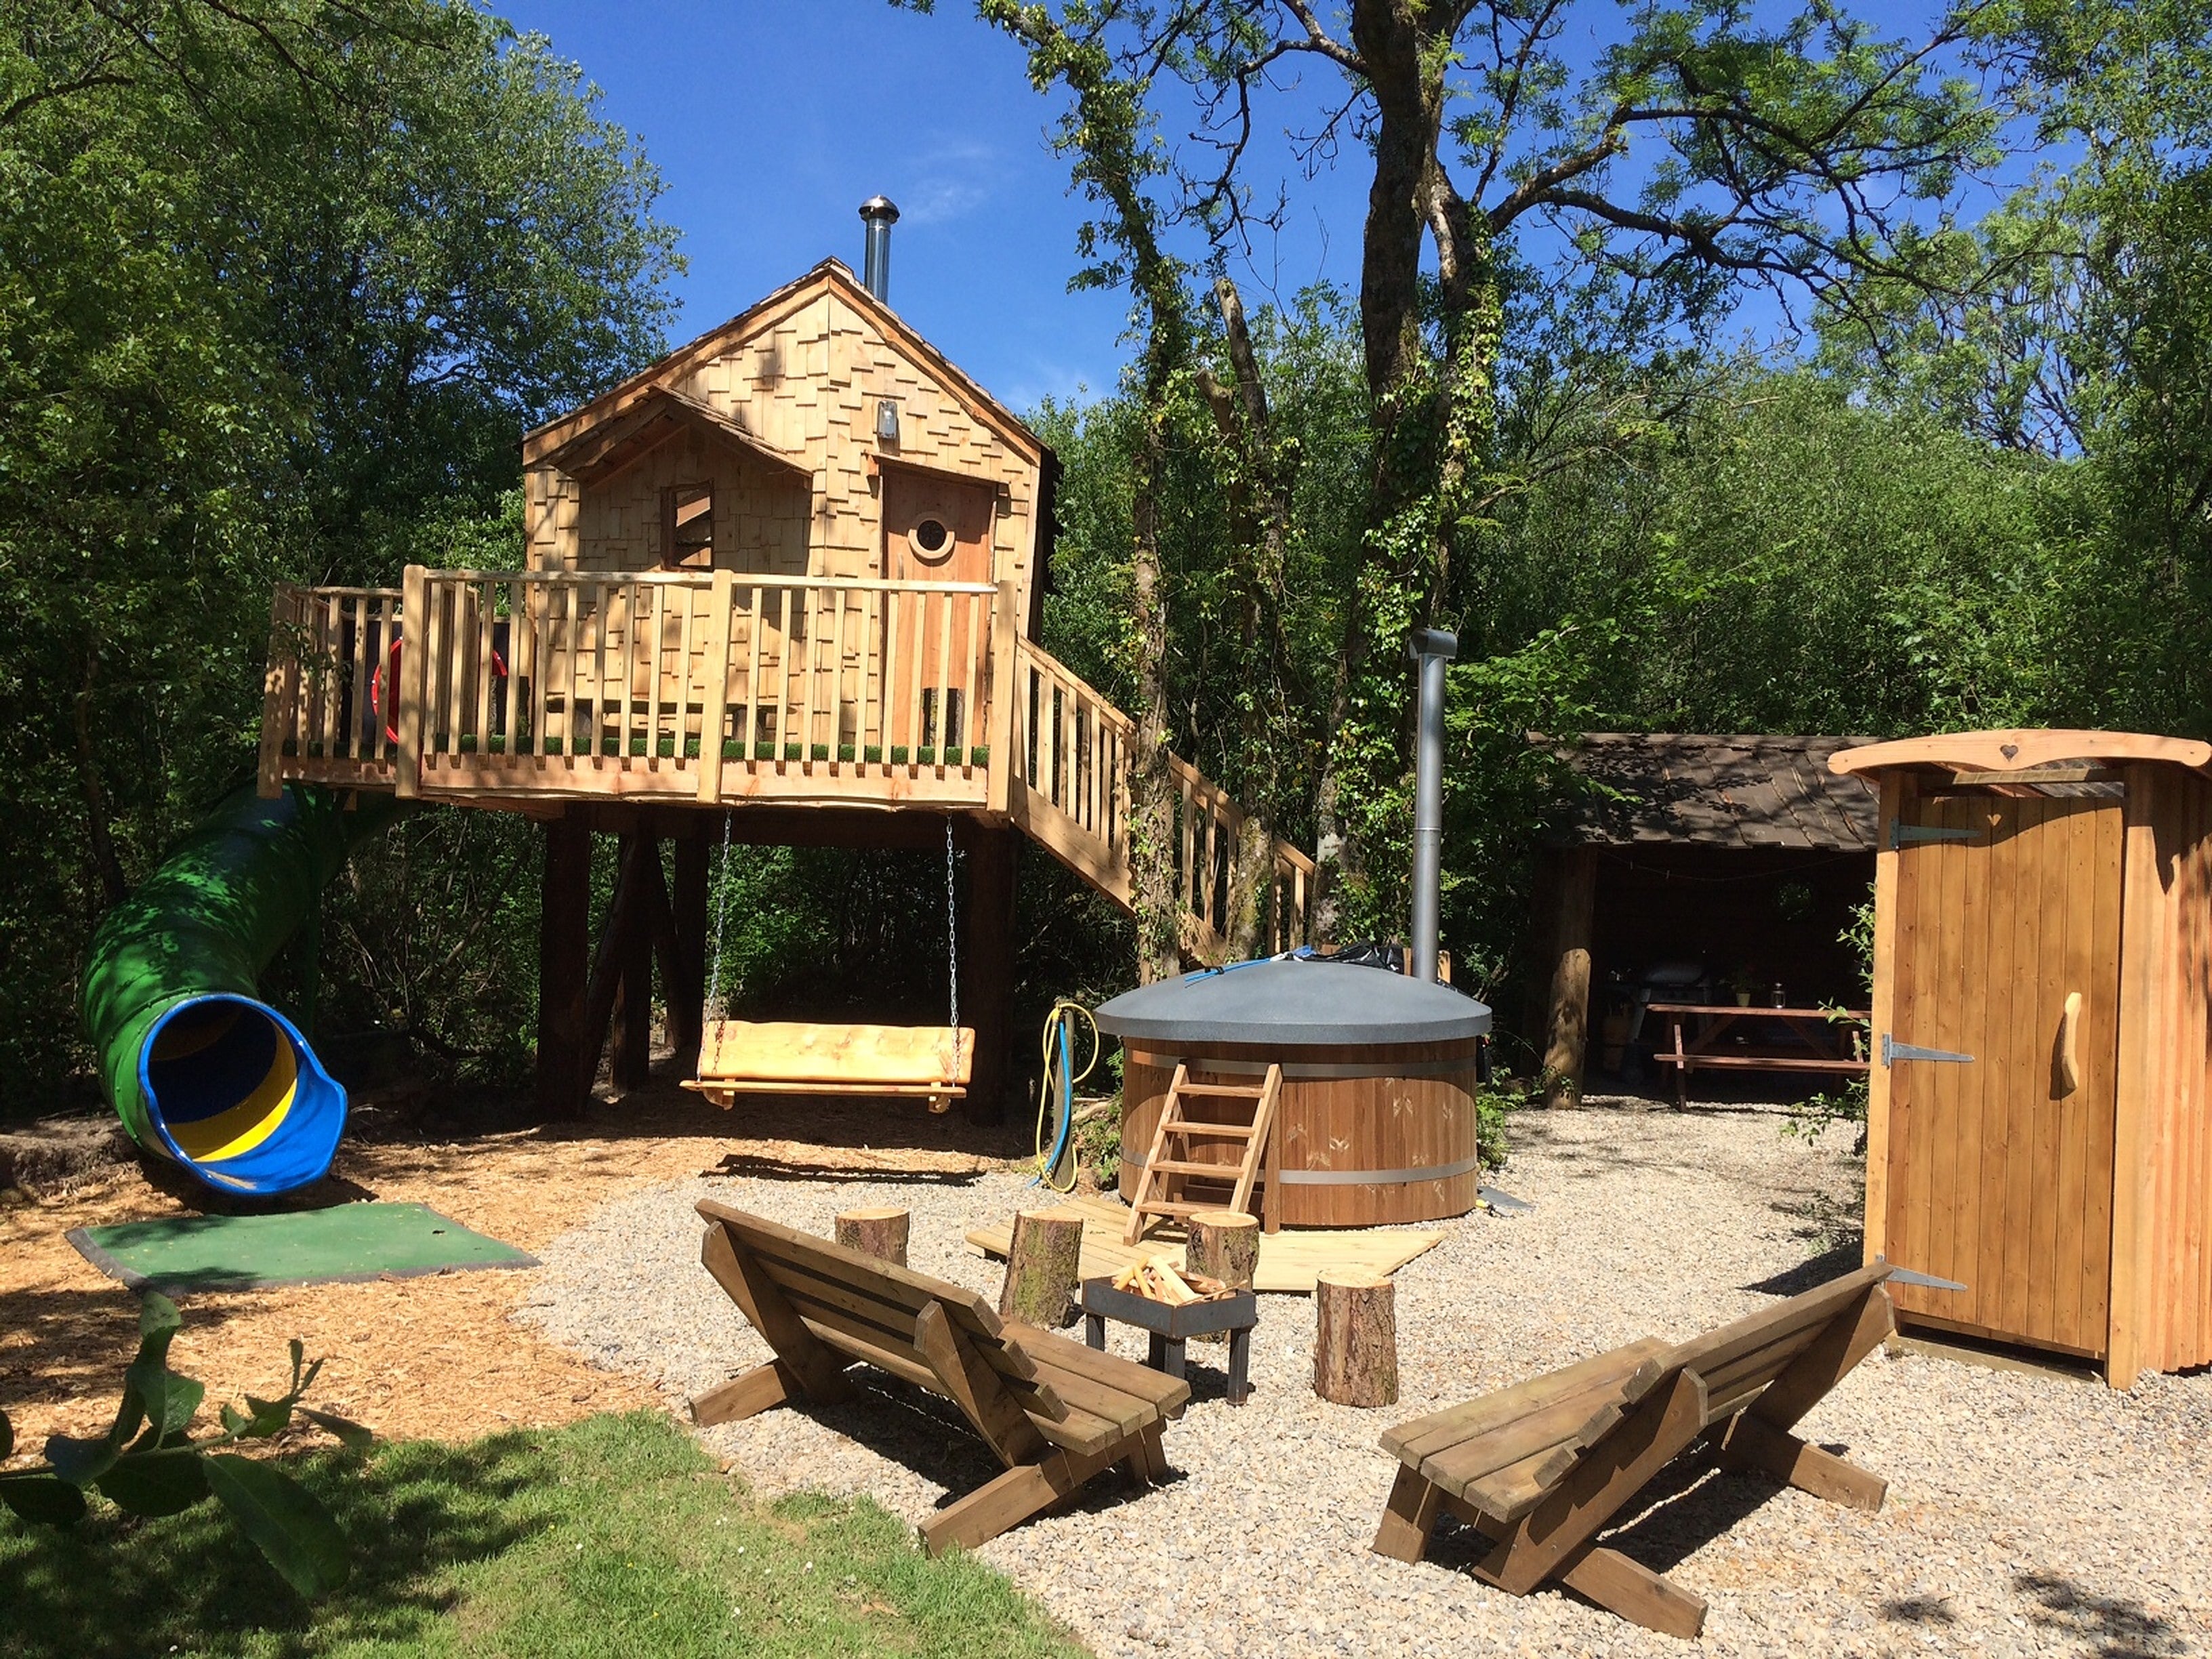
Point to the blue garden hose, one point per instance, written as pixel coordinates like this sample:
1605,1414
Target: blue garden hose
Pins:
1056,1027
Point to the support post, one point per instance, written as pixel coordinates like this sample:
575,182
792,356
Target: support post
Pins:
629,1065
687,991
564,940
987,961
998,717
1567,1032
414,679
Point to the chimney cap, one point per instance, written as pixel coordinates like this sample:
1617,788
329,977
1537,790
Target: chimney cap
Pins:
880,207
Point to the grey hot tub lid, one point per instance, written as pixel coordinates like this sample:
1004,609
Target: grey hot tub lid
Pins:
1295,1004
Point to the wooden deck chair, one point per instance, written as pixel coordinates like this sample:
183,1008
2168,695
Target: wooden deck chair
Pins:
1055,1413
1541,1467
747,1057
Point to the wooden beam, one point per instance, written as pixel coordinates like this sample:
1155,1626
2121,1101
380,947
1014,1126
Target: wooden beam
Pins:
2019,750
1635,1593
987,961
630,1064
564,1079
971,1385
1567,1030
1410,1516
625,912
1752,1444
747,1396
813,1364
687,983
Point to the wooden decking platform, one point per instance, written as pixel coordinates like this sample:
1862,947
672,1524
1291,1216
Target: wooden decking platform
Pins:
1288,1260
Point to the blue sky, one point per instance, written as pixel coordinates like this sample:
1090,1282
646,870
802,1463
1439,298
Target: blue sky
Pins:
772,121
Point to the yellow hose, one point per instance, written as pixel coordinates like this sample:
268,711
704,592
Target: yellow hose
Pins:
1044,1157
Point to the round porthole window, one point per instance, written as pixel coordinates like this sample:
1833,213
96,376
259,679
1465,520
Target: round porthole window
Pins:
932,538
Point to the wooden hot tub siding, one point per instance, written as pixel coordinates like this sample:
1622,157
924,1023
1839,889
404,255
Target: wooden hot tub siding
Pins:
1408,1109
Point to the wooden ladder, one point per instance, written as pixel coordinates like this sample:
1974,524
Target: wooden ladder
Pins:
1162,1185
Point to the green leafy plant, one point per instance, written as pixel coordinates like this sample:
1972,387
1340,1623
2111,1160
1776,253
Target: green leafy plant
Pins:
148,1463
1811,1118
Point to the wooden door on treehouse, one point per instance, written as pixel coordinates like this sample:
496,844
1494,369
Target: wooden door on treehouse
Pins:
2000,1165
936,529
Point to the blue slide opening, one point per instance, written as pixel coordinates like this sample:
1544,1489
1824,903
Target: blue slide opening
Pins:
238,1096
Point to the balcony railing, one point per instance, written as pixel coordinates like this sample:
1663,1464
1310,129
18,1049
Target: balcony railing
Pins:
726,687
718,686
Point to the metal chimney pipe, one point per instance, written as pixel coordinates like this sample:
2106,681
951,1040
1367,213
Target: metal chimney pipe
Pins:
880,215
1432,648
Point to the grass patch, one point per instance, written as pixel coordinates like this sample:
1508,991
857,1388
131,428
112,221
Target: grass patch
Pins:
613,1536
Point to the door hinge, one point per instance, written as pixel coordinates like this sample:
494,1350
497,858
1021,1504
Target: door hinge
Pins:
1902,833
1892,1051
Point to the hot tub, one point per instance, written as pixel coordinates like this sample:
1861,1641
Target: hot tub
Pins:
1377,1120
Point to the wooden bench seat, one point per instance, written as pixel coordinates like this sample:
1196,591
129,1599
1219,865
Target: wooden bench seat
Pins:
934,1063
1542,1466
1054,1412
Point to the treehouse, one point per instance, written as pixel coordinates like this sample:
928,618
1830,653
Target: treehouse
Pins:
793,573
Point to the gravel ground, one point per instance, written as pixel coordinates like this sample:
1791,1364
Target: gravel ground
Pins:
2027,1513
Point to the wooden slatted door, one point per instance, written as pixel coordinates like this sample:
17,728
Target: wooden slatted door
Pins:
2000,1169
936,529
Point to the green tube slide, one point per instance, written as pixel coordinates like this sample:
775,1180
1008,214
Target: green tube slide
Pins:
200,1070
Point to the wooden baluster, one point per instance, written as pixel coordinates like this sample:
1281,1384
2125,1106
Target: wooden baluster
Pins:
414,607
894,602
977,635
453,698
518,621
687,670
809,667
748,718
944,675
722,599
915,731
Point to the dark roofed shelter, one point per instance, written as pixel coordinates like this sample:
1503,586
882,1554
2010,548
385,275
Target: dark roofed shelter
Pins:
1700,867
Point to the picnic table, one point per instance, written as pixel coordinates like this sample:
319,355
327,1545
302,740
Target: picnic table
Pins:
1822,1040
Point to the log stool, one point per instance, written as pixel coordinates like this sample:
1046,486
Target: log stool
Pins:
879,1233
1355,1338
1170,1327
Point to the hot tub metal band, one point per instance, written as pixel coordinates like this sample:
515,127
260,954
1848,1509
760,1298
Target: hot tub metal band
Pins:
1357,1177
1295,1072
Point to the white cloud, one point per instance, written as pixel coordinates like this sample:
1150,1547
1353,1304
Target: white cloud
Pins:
948,183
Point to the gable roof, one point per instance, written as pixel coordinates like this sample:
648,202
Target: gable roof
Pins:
831,276
656,413
1746,790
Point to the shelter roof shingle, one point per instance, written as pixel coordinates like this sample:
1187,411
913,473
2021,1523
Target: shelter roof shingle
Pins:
1745,790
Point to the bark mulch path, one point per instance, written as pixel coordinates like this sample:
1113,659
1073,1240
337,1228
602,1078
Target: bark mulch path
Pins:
439,1357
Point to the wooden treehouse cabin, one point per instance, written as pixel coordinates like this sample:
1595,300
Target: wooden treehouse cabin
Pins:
794,571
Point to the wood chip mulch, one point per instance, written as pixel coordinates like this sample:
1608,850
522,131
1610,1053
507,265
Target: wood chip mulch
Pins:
439,1357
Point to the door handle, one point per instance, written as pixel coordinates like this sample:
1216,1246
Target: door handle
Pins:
2069,1062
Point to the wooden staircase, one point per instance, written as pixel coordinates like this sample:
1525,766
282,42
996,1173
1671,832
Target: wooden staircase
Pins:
1163,1186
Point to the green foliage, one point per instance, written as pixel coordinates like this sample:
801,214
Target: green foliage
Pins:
149,1465
614,1534
282,281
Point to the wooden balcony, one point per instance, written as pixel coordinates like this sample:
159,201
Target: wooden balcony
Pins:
727,688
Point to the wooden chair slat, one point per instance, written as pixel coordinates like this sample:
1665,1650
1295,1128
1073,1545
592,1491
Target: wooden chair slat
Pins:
913,1290
1168,1395
1423,1436
760,1053
1705,1353
1574,1422
1543,1467
819,1304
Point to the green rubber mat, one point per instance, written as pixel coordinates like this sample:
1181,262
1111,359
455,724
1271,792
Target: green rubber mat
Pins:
345,1243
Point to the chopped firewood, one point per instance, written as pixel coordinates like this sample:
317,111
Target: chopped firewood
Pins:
1156,1278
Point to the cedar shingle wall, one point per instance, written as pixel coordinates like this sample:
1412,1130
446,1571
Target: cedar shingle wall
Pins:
806,380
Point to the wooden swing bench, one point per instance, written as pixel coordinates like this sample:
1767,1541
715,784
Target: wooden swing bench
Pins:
750,1057
1542,1466
1054,1412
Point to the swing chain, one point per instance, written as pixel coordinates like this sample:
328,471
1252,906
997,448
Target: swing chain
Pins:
952,945
715,998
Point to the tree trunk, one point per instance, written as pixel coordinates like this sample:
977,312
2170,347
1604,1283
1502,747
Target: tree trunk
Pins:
1042,1266
880,1233
1224,1244
1355,1338
564,944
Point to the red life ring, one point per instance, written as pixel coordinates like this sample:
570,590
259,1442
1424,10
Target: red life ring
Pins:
391,665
